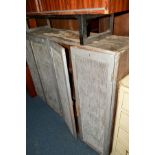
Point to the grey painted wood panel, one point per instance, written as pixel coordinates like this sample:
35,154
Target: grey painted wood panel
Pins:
93,73
61,71
52,66
46,70
34,71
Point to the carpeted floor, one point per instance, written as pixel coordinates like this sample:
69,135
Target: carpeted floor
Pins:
47,133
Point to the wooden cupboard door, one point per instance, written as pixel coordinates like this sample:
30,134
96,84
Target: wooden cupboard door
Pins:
46,71
120,150
125,101
61,71
93,73
34,70
123,138
124,121
121,132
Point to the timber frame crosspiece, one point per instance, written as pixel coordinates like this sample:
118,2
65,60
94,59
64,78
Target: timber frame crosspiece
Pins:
83,23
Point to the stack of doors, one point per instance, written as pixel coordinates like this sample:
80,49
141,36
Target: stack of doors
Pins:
97,68
51,76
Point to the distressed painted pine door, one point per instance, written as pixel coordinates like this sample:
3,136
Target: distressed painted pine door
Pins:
92,73
46,71
52,67
34,70
61,71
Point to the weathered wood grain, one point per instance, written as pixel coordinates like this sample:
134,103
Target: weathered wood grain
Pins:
92,77
46,71
60,65
52,66
69,37
96,68
34,71
123,67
